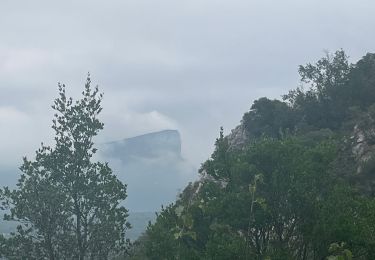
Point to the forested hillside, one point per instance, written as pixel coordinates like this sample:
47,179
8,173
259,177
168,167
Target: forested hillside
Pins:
295,180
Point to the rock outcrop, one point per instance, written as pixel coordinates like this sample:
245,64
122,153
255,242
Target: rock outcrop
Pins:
238,138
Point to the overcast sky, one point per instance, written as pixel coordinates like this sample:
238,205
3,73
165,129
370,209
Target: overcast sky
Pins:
191,65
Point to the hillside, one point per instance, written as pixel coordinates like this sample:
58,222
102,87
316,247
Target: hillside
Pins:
295,180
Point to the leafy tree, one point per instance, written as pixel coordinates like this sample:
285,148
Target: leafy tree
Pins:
323,104
218,166
360,88
67,204
328,74
271,118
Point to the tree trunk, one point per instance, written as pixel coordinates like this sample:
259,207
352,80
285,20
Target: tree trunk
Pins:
81,249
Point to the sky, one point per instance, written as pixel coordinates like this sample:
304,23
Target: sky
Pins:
191,65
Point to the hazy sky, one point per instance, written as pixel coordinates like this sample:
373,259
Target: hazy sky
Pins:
190,65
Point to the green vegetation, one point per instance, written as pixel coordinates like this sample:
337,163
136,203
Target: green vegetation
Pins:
300,183
67,205
299,187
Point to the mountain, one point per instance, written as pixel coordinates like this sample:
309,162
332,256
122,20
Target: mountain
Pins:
295,180
152,166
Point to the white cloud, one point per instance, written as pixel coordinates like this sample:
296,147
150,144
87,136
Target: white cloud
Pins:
12,116
18,61
16,135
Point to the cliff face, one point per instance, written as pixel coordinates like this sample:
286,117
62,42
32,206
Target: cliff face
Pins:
238,138
363,150
152,167
363,137
362,146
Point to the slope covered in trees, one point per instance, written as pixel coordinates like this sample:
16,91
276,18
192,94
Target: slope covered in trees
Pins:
298,185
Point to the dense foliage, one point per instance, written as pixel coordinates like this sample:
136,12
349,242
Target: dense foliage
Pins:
298,189
68,206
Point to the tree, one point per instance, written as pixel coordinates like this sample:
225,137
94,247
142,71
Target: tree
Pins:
360,88
267,117
323,104
67,204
